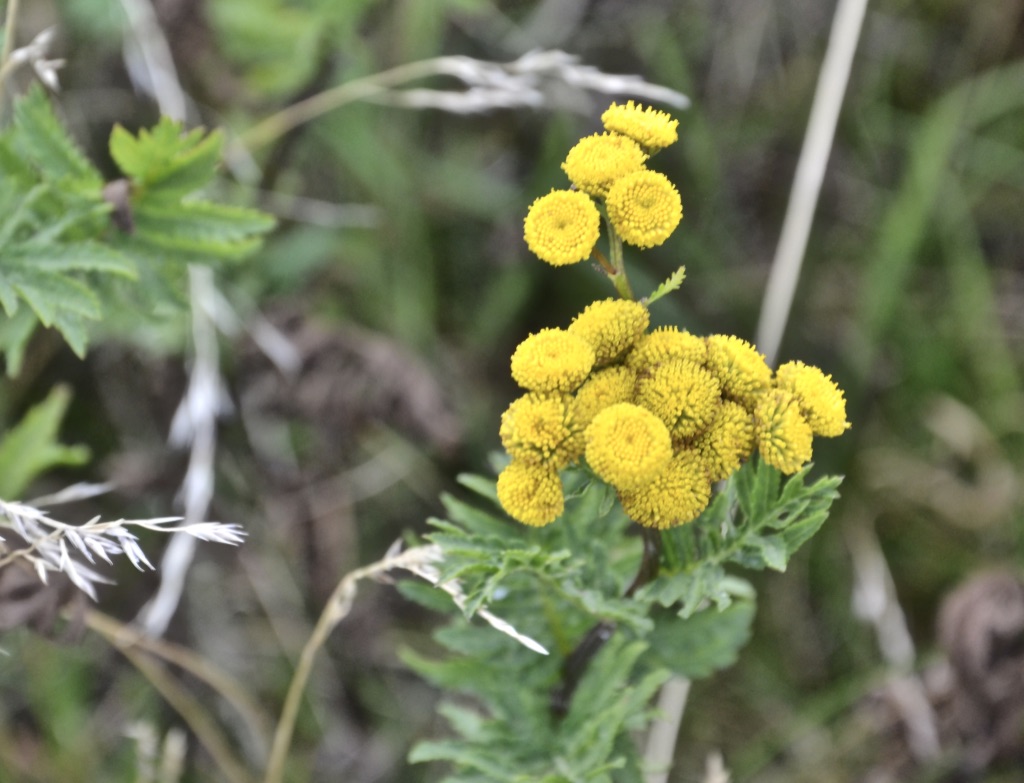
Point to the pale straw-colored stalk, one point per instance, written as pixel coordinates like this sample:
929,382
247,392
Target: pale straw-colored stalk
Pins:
784,274
810,171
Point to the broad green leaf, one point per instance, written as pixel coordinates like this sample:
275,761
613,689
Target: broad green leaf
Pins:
30,447
164,161
703,643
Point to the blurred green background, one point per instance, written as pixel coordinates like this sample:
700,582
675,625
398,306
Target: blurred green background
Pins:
400,273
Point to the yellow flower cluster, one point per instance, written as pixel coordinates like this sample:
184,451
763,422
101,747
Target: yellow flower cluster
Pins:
658,415
609,169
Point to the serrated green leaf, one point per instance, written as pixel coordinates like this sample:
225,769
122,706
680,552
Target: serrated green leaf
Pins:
165,162
757,485
763,552
671,284
48,295
73,329
8,296
689,589
31,447
15,332
201,221
43,140
68,257
464,754
703,643
20,214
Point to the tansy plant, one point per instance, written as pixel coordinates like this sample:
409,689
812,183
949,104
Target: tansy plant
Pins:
645,466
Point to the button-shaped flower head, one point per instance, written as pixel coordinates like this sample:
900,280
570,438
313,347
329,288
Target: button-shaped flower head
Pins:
562,227
598,161
727,442
552,360
677,495
740,369
627,446
783,435
644,207
612,326
539,428
665,343
684,395
821,400
650,128
601,390
531,494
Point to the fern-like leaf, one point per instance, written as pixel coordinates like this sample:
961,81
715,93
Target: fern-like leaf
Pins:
674,281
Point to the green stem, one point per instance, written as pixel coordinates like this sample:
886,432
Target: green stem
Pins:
618,274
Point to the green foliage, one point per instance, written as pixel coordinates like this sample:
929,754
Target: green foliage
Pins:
165,166
30,448
578,584
671,284
60,257
756,522
53,212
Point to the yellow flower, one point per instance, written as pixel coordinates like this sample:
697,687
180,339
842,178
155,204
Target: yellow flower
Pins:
599,160
627,446
821,400
681,393
784,437
562,227
665,343
727,442
552,360
539,428
611,326
650,128
677,495
644,207
531,494
602,389
742,371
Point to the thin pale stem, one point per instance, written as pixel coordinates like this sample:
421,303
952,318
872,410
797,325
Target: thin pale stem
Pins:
336,609
810,171
9,24
6,65
193,713
276,125
123,636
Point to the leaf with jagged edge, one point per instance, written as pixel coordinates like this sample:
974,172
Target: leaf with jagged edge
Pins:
165,162
30,447
674,281
44,141
70,257
15,332
59,301
196,230
48,295
703,643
